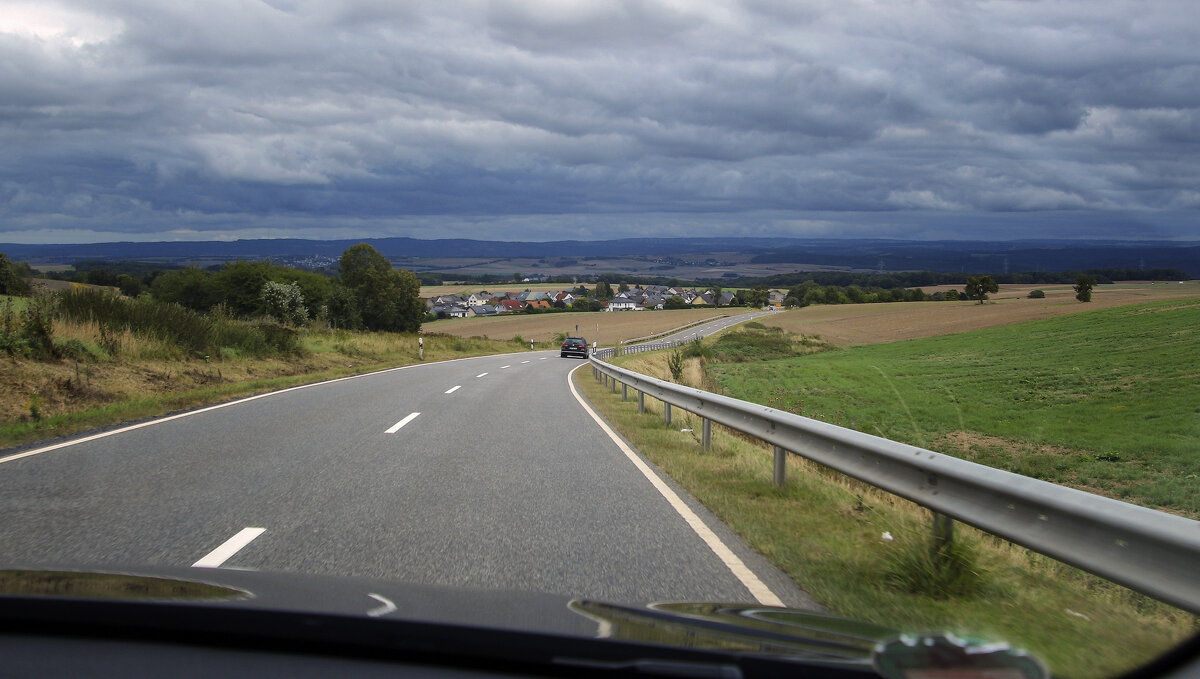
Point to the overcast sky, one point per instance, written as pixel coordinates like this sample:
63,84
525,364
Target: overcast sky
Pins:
554,119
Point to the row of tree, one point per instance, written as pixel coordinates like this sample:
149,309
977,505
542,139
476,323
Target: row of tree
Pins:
367,293
913,279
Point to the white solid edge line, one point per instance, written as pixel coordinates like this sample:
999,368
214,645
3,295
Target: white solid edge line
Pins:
453,389
758,589
168,418
396,427
232,546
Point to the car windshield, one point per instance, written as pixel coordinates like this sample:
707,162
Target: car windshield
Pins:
861,333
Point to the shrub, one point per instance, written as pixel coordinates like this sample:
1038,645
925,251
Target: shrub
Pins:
280,339
1037,294
192,332
675,364
29,332
284,302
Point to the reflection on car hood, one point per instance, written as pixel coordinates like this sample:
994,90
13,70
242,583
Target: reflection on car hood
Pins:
323,610
728,627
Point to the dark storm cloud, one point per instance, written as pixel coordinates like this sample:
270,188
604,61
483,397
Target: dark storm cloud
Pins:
241,118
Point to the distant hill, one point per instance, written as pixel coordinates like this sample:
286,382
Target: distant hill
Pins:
858,254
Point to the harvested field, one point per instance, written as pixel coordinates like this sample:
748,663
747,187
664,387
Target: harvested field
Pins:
857,324
603,327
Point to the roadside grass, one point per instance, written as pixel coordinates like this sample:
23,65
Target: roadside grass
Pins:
826,532
1105,400
109,377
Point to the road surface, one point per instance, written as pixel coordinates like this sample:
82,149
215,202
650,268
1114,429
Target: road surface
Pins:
483,473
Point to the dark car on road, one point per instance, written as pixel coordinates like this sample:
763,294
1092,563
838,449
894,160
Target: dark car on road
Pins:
574,346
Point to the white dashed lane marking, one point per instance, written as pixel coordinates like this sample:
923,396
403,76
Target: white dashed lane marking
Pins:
396,427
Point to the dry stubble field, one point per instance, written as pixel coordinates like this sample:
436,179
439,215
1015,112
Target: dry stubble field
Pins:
856,324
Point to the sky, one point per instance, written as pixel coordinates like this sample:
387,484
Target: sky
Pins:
596,119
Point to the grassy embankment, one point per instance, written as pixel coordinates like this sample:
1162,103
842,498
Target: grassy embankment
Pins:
107,373
1102,400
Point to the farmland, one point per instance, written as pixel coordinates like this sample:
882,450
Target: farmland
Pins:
1099,396
604,328
1103,400
856,324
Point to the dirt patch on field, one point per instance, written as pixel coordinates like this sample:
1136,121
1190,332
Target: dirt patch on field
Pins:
857,324
966,441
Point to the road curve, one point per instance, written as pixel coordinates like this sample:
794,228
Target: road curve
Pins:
481,473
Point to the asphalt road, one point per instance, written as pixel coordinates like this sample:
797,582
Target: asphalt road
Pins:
483,473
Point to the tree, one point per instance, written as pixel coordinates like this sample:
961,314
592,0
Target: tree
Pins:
239,285
189,287
978,287
11,282
1083,287
386,299
604,290
130,286
800,291
675,302
757,297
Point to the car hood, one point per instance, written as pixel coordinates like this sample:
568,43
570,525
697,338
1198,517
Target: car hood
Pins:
361,611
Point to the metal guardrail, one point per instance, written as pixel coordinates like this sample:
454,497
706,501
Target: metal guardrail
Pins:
605,352
1152,552
672,331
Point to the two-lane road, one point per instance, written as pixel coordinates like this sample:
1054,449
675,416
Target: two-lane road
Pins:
484,473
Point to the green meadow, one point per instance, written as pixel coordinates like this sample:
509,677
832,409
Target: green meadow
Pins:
1107,401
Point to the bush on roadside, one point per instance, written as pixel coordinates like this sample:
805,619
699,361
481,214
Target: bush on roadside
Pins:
193,333
920,566
30,331
675,364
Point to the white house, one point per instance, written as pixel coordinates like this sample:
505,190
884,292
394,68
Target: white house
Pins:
622,304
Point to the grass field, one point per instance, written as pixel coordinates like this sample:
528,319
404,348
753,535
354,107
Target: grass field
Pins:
825,533
1104,399
1107,400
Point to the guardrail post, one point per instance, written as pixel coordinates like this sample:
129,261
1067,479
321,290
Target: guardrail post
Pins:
613,389
624,391
666,413
943,534
780,467
706,434
641,402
